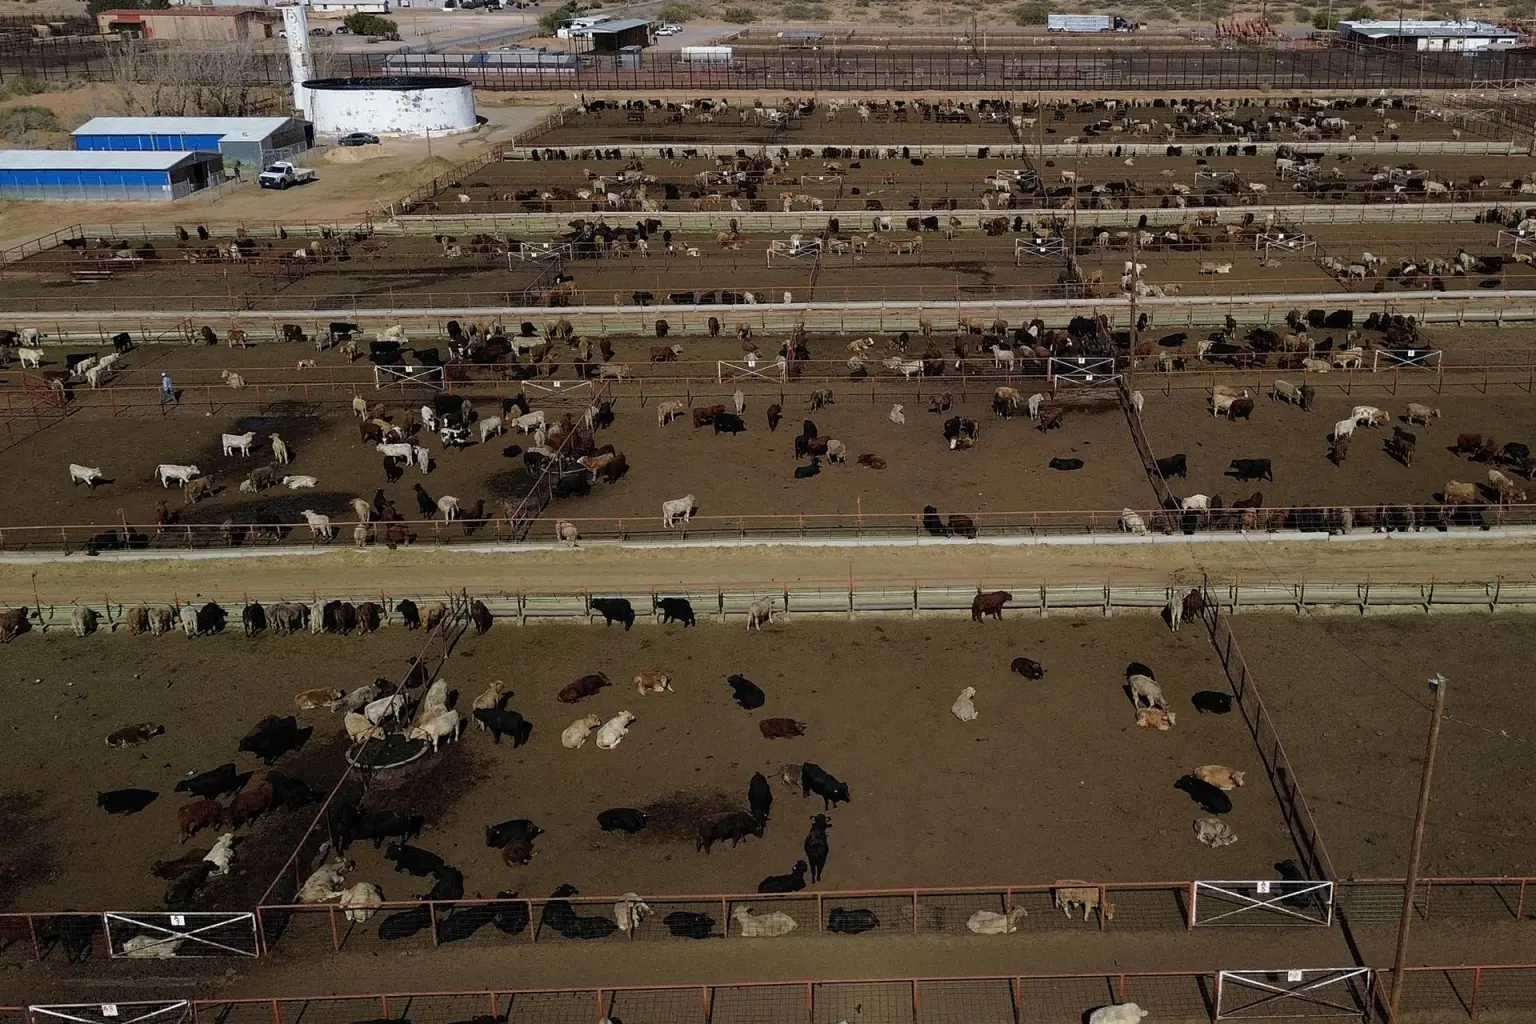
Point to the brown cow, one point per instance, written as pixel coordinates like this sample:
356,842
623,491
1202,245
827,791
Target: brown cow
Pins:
249,804
665,353
941,403
1460,494
1468,444
197,815
781,728
1051,419
180,866
133,735
1192,607
962,526
480,615
872,461
705,415
137,618
775,414
586,686
1340,450
518,851
369,614
615,469
13,623
989,603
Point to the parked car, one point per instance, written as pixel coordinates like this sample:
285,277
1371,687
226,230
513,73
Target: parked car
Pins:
319,31
669,30
358,139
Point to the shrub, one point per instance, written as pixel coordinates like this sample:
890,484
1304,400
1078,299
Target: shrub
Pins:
371,25
738,15
1324,22
20,121
1032,13
549,20
676,13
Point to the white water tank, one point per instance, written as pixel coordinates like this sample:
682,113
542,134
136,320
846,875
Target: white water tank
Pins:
411,105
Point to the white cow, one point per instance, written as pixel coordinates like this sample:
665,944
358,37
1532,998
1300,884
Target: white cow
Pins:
489,427
222,854
319,525
1034,405
1131,522
1344,428
239,442
677,510
528,423
614,730
88,475
166,472
279,450
990,922
575,735
1117,1013
759,612
1144,688
448,505
444,726
1196,503
398,451
964,707
294,483
629,911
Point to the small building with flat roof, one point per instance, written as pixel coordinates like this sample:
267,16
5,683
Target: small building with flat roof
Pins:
256,141
191,24
73,175
613,36
1430,36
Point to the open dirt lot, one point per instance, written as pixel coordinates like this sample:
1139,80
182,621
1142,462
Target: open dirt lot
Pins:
1350,701
1297,442
923,810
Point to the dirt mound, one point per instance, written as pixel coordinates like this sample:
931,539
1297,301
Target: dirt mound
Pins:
675,817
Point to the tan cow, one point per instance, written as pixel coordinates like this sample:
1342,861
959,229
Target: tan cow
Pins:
1071,892
652,681
1156,718
1220,776
320,697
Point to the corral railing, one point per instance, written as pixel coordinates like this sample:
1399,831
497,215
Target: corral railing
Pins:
1293,804
1104,526
1431,994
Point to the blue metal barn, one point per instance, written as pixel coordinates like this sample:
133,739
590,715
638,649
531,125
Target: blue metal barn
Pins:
69,174
254,141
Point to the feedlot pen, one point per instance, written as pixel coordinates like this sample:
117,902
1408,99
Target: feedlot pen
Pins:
917,813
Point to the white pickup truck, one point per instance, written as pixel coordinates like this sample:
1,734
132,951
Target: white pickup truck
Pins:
282,174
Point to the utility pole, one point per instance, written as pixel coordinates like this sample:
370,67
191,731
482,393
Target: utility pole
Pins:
1440,684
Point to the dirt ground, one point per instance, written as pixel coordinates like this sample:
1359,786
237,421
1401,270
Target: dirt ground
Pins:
1350,701
922,812
1297,443
61,851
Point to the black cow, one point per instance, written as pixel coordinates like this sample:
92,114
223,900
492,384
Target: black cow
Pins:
1029,668
825,785
613,609
502,722
410,615
448,884
674,609
1251,469
816,847
288,792
497,836
254,618
376,825
728,421
214,782
759,798
273,737
621,819
1065,465
1210,798
126,801
746,693
1173,465
1212,701
413,859
933,523
851,920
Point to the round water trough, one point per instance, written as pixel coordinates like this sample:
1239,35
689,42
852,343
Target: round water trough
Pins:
405,105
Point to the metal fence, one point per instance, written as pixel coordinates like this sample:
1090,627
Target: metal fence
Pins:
1266,738
1431,994
1074,67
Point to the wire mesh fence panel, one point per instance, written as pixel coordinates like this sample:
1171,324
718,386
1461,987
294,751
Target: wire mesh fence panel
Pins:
1063,999
867,915
553,1008
234,1012
759,1004
949,912
335,1011
965,1002
16,938
747,915
1173,998
1377,903
13,1015
69,938
865,1002
1434,995
1510,992
659,1006
1158,909
682,919
442,1009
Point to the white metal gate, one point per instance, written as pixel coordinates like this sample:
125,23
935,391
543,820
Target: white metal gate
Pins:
727,370
172,935
1415,358
1291,994
1043,250
430,376
1262,902
165,1011
1083,371
795,247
